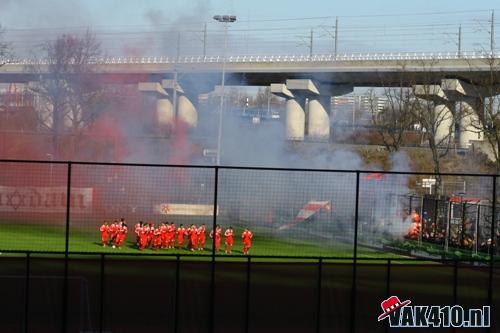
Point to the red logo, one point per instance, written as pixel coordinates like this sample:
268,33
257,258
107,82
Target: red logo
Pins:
165,209
390,305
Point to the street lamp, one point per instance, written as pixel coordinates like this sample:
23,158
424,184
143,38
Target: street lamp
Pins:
223,19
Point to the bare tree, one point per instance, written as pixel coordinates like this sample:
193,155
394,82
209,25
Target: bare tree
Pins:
437,121
484,119
235,97
393,120
418,101
5,51
67,86
261,98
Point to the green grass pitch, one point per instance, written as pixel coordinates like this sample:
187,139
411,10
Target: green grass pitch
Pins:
24,237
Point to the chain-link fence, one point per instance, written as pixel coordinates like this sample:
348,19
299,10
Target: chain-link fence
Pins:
116,248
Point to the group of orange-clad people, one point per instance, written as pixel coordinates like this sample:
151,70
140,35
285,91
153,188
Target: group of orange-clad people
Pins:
113,234
167,236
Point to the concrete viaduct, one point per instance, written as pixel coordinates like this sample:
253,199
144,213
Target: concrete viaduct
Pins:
307,82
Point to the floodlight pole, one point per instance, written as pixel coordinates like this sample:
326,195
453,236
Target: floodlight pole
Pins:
223,19
176,75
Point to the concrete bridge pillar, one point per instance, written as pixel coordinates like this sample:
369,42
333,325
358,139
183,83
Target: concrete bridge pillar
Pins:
186,112
318,120
164,112
444,120
469,102
457,104
295,120
469,122
295,114
313,119
443,110
165,109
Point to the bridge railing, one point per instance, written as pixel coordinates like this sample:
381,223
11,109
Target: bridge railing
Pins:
357,56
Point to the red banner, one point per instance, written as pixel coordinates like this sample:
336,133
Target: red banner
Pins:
309,209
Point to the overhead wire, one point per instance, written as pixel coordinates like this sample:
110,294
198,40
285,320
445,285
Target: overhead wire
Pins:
273,33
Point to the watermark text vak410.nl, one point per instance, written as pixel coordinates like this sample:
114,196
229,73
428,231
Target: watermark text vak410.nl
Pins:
401,314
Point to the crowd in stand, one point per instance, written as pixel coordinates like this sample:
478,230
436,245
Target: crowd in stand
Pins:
166,235
462,235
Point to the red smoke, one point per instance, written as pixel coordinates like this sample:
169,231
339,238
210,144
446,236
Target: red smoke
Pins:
181,150
180,146
107,140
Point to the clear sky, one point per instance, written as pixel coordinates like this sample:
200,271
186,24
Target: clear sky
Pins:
262,26
50,13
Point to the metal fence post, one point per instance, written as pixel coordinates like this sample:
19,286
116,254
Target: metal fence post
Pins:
64,322
455,281
247,293
388,282
455,285
212,277
27,292
318,304
436,217
476,227
448,227
422,222
493,241
388,288
177,278
101,294
355,254
462,221
214,222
